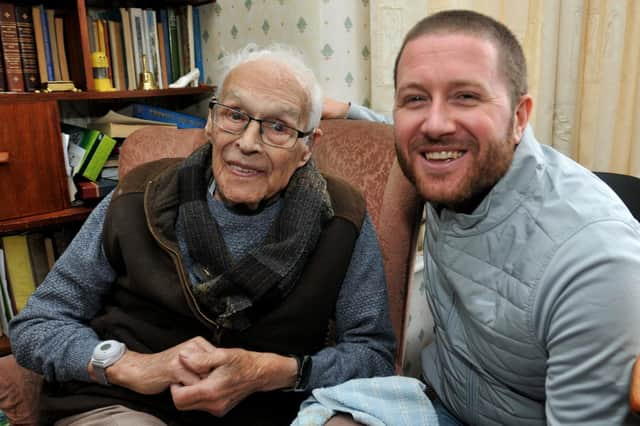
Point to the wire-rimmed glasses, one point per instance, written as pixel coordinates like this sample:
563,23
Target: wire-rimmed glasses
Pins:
272,133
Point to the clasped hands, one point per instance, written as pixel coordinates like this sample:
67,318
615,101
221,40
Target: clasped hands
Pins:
202,376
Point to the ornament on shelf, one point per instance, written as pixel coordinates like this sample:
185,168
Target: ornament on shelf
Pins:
100,65
147,80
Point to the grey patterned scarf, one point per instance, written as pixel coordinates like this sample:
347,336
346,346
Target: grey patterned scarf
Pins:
236,293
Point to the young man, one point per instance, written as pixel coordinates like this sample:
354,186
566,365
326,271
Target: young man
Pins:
203,290
532,264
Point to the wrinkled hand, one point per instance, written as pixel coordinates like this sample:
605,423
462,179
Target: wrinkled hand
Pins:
230,375
332,108
153,373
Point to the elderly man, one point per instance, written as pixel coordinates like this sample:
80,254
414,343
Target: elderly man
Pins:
532,264
205,289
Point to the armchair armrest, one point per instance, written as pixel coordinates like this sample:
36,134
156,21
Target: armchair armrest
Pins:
634,391
19,392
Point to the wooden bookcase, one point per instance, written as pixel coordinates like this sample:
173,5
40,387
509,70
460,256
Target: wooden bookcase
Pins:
34,191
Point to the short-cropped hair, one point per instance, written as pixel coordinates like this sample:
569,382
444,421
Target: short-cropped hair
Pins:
513,64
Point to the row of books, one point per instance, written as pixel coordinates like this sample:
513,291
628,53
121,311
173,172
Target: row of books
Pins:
169,38
32,47
93,152
25,260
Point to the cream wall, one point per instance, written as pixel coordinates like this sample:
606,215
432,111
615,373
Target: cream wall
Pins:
333,34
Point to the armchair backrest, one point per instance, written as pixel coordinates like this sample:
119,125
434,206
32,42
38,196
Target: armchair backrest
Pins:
360,152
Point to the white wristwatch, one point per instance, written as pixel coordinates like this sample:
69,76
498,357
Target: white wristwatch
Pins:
105,355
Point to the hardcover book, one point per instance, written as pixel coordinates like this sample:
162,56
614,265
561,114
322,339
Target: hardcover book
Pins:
11,48
88,190
53,42
48,53
37,256
38,36
174,43
148,112
197,44
164,21
28,53
96,148
19,272
62,49
132,77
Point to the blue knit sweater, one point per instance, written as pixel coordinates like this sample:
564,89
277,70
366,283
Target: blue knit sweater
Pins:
50,335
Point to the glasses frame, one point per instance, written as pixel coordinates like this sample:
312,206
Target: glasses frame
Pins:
300,134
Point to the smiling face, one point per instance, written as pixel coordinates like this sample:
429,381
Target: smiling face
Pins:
246,170
454,125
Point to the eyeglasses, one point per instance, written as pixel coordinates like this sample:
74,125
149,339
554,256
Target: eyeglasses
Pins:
272,133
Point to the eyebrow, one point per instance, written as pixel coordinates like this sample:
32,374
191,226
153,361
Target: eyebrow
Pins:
278,111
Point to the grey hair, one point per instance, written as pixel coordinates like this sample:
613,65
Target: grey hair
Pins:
288,57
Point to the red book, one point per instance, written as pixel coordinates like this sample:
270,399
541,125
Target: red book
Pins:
88,190
11,48
28,53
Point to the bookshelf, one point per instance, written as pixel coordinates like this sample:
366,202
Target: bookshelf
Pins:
5,346
32,172
31,158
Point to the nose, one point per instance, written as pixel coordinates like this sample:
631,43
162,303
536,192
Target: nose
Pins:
249,140
438,120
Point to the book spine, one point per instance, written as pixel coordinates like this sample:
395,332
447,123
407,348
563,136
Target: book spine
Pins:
28,54
11,48
164,19
51,25
163,56
19,269
135,15
132,79
183,121
197,43
47,44
186,39
62,49
3,81
39,40
174,41
153,60
98,156
88,190
37,256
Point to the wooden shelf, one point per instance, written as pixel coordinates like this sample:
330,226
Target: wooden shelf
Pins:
5,345
36,221
145,3
94,95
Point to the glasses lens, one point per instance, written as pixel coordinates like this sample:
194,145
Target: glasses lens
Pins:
231,120
278,134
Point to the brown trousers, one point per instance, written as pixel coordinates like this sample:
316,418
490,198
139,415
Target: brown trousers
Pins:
113,415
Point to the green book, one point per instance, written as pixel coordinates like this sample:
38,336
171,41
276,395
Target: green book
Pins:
94,147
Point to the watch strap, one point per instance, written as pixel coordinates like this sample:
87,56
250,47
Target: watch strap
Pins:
304,370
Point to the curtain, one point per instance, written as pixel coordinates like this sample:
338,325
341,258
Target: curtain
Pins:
333,35
584,72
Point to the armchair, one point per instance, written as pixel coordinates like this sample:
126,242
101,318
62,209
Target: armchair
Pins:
360,152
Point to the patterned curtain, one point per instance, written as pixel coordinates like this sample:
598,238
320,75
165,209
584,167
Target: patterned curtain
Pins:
584,69
333,34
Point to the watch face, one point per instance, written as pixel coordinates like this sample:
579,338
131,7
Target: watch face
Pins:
108,350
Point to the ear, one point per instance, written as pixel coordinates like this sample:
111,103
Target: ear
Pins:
521,119
306,147
305,154
208,128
